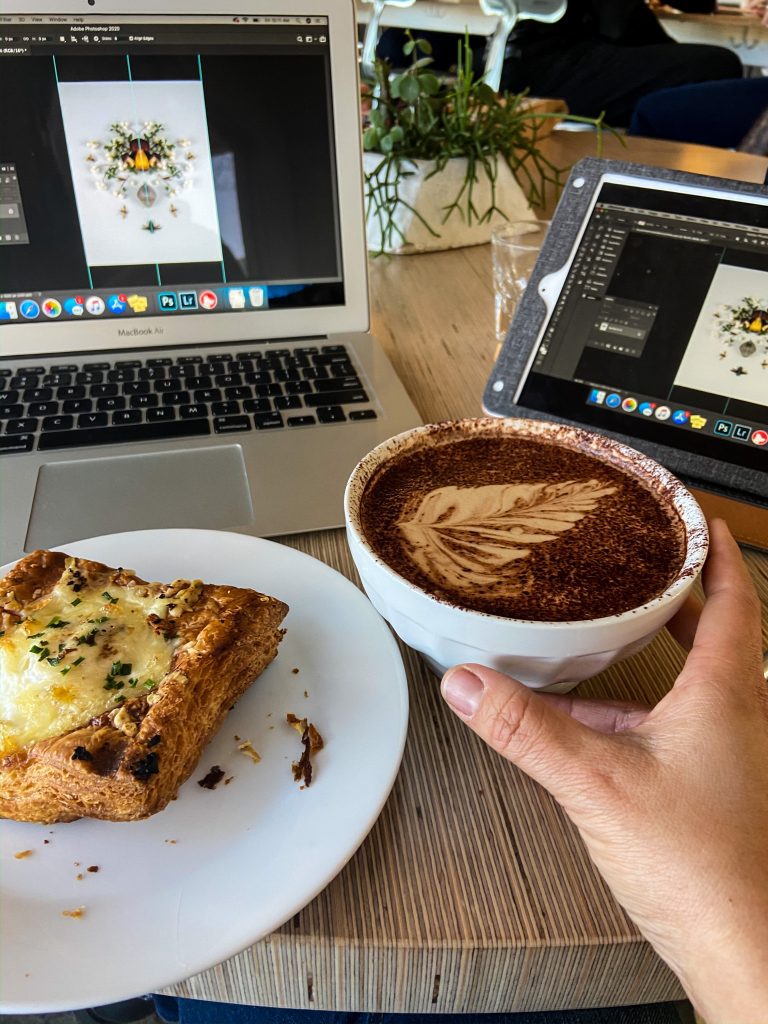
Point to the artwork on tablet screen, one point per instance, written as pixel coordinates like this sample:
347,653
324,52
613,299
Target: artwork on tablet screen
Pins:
728,351
142,173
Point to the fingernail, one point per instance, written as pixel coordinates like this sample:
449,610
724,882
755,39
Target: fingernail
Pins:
463,690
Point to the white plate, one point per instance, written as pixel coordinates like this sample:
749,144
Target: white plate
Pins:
218,869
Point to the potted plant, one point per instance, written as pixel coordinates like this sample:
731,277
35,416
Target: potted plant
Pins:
446,159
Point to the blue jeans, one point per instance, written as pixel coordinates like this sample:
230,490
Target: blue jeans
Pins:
199,1011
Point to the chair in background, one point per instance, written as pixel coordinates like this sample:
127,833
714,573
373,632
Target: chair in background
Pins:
509,12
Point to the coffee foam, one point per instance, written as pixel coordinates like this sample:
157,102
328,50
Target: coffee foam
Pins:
470,537
532,525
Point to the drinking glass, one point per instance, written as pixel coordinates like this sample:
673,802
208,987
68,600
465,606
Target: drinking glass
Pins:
515,245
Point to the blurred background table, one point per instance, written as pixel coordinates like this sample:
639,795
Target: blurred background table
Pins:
472,893
740,31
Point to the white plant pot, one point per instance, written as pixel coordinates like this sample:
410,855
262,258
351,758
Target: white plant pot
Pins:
425,199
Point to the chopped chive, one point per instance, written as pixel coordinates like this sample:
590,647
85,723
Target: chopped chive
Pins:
64,671
120,697
44,653
112,600
76,602
56,623
34,649
78,661
149,684
34,636
55,659
133,682
113,684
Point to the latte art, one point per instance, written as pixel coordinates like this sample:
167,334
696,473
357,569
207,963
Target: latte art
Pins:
469,536
520,527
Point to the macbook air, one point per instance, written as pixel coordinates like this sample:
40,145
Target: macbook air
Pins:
184,316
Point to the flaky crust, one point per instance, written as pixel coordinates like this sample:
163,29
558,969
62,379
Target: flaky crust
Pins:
227,637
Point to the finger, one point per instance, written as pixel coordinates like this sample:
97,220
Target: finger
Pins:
685,622
606,716
728,636
547,744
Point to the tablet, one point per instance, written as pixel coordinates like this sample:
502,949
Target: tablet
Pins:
646,318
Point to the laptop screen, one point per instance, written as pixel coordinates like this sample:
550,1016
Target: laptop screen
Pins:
660,329
179,168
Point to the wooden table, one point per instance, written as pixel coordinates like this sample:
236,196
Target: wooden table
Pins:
472,893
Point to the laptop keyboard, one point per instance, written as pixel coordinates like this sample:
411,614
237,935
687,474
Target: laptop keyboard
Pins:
93,403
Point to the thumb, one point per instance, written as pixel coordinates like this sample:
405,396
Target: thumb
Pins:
521,725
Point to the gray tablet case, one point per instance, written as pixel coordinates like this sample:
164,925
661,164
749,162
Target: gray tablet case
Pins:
738,492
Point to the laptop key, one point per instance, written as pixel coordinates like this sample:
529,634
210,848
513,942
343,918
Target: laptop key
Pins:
161,415
225,408
193,411
362,414
97,367
330,414
339,384
92,419
208,395
124,433
126,364
335,398
21,426
89,377
144,401
16,443
288,402
231,424
301,421
267,420
24,380
104,390
64,368
58,423
77,405
176,398
298,387
257,405
72,391
43,408
164,361
37,395
110,404
127,416
136,387
11,411
152,373
56,379
118,376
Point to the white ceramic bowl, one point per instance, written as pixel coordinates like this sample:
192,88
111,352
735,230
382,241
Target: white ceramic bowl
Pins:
545,655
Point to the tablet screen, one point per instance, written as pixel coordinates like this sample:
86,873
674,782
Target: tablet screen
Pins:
660,328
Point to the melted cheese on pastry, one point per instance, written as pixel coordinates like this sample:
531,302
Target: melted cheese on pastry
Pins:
76,656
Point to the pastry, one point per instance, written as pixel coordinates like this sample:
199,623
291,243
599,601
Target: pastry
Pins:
110,687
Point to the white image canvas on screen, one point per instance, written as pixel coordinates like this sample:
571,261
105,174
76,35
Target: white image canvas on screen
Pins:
121,230
713,361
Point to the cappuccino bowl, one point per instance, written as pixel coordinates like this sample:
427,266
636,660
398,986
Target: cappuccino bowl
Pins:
547,655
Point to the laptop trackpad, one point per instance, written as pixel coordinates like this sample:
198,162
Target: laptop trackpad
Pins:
201,488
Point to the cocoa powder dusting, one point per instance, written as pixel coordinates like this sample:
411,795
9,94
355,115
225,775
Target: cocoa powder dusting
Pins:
619,555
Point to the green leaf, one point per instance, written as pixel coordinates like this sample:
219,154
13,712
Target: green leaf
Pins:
409,89
429,83
397,134
378,117
371,137
424,45
394,86
409,47
386,143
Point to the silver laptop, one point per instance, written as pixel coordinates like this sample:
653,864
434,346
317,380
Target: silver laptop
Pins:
647,318
183,276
